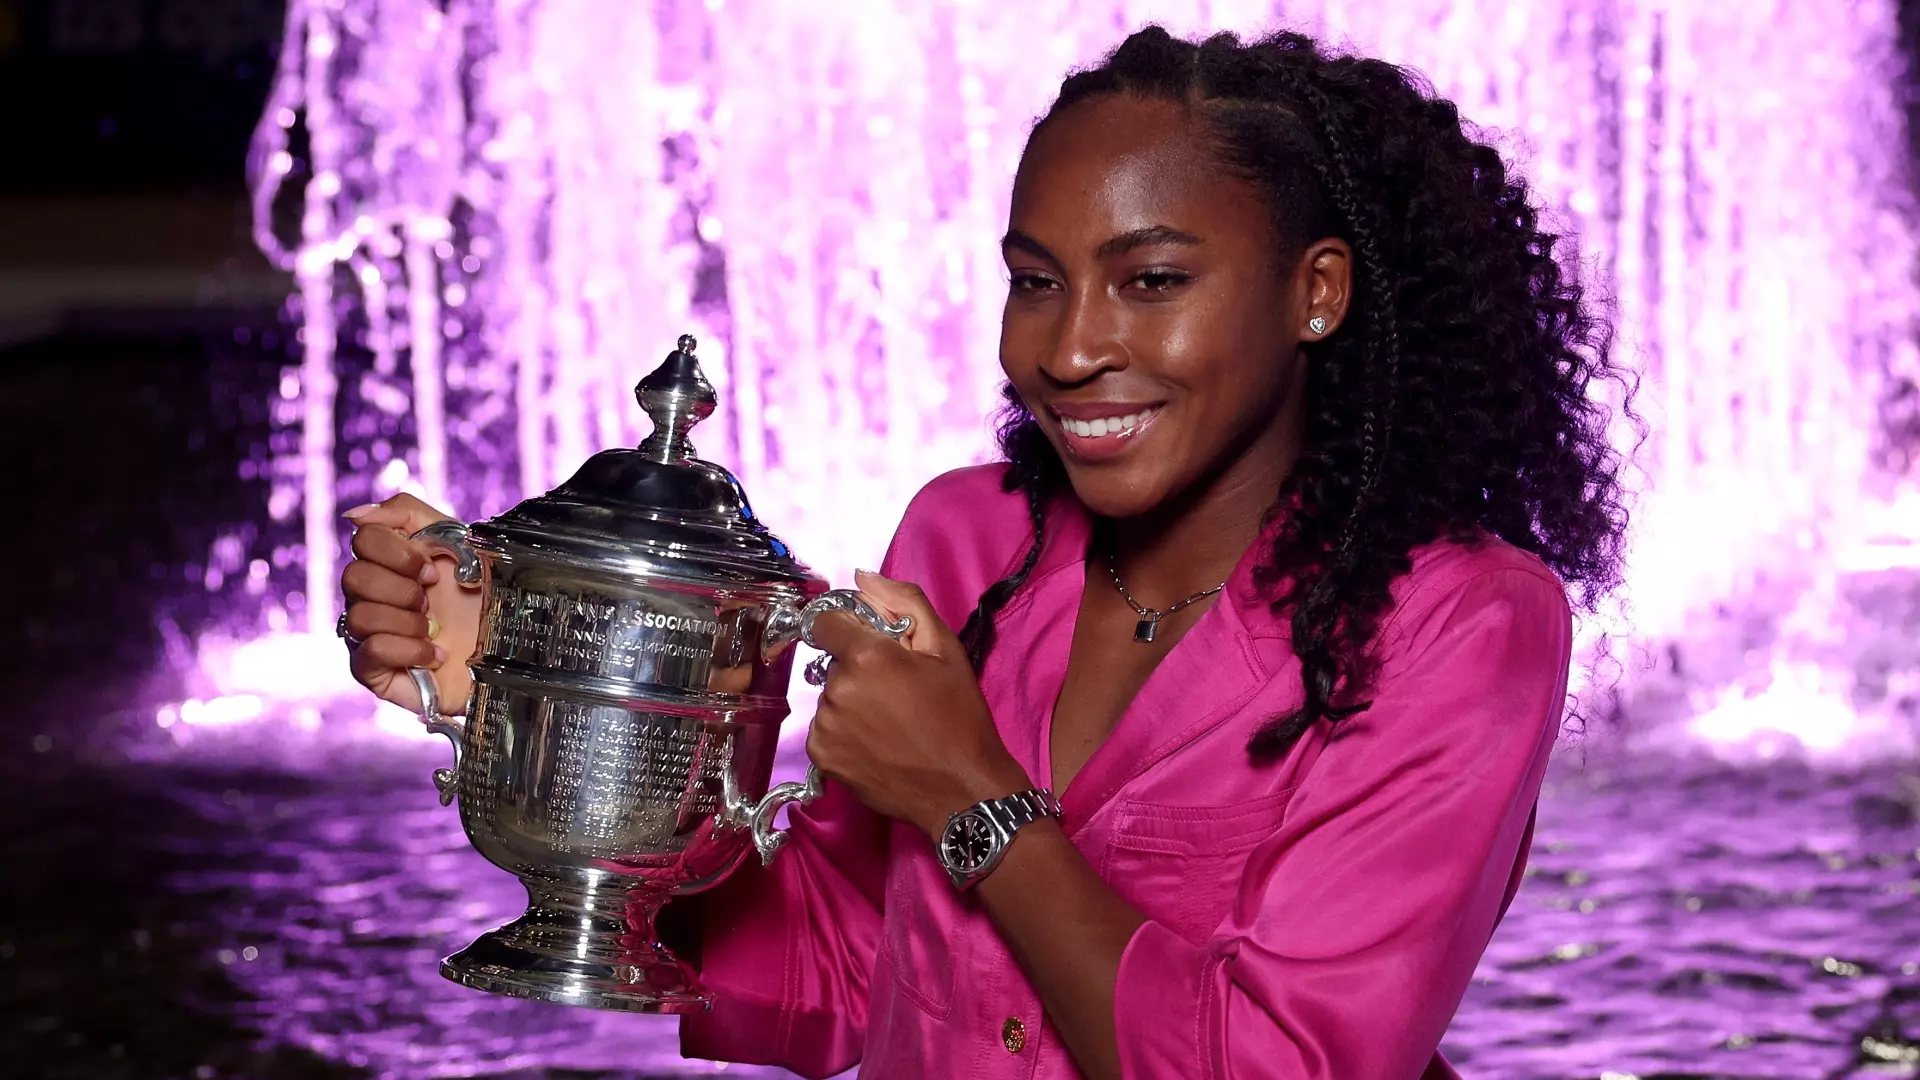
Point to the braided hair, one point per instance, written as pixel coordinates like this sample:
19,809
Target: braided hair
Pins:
1452,401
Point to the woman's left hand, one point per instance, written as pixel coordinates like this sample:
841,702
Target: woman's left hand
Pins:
903,723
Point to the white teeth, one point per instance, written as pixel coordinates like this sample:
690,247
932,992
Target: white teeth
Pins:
1111,425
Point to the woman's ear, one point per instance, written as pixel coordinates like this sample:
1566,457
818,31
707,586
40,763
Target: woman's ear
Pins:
1327,267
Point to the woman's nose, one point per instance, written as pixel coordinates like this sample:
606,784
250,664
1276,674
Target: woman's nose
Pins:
1086,344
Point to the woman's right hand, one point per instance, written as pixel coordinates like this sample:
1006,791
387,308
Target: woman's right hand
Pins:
405,608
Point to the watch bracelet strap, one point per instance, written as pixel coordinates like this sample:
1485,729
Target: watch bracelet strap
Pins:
1023,808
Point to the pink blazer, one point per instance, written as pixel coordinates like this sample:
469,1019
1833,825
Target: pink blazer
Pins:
1315,919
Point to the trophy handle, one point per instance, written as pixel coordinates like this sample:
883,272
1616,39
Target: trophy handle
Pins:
785,626
445,781
758,816
450,537
849,601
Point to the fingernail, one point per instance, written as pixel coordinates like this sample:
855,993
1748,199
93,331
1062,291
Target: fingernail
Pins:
439,655
865,573
433,627
360,511
429,574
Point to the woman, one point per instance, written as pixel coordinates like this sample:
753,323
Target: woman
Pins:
1269,592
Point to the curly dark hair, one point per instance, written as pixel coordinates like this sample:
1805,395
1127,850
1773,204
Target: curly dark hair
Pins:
1455,398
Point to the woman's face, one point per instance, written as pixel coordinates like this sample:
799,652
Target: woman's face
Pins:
1149,325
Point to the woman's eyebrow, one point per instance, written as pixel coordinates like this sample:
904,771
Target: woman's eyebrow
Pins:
1148,236
1015,240
1145,236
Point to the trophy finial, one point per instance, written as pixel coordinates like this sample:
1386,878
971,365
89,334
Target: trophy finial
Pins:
677,396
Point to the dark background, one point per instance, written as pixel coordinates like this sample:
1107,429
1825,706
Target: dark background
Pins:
128,405
140,331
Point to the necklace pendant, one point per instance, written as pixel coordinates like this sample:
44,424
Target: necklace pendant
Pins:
1143,630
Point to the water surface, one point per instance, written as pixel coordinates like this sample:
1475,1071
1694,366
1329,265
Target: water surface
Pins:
268,904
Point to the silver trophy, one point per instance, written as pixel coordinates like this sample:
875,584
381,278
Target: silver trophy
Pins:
629,682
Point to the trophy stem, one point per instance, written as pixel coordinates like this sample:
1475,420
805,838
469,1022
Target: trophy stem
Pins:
587,938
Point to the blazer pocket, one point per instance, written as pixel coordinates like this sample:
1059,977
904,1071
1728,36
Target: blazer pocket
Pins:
923,932
1181,865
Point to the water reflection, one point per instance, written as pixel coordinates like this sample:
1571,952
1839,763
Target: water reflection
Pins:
241,917
240,921
1689,918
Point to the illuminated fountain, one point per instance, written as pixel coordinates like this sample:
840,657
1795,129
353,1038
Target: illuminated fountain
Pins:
509,208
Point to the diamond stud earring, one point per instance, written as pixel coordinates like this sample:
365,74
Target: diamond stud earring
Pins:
1317,324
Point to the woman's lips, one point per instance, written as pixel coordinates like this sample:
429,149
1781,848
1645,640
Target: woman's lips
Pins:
1100,437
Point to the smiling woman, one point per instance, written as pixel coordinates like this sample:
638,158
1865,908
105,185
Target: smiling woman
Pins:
1304,459
1263,625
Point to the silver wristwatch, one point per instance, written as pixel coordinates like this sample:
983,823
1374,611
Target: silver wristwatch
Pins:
976,838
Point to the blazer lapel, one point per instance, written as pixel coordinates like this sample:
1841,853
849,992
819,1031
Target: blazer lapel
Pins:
1209,676
1029,659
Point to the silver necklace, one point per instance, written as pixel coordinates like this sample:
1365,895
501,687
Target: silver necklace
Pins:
1143,630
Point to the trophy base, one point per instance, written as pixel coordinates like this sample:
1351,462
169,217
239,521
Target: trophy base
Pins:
581,943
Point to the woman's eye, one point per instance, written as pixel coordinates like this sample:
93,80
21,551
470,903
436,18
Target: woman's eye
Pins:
1160,281
1028,283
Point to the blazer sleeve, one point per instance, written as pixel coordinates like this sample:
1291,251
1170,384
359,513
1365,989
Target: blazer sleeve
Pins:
1358,924
788,949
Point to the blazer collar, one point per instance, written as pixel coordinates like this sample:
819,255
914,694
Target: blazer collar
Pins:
1206,679
1068,543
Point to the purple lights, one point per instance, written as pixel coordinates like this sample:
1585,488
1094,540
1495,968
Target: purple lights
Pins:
510,209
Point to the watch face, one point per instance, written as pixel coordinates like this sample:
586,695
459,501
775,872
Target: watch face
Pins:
968,842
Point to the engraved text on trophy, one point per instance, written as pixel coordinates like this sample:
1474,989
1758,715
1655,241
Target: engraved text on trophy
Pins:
661,638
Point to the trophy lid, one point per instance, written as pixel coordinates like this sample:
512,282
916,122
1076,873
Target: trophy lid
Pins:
656,511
